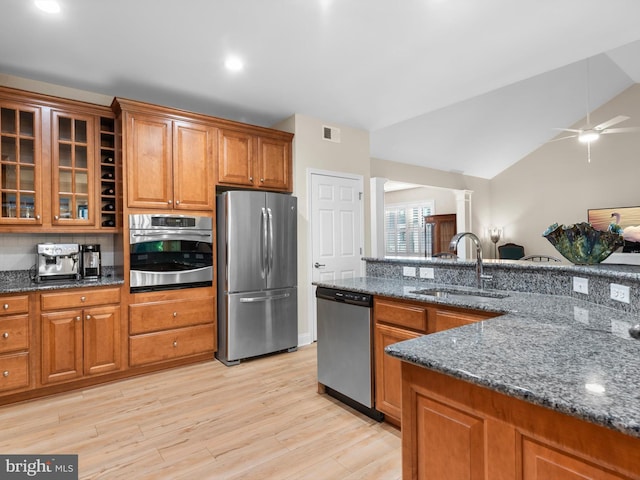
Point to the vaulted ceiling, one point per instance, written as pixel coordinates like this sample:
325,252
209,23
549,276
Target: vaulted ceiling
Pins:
458,85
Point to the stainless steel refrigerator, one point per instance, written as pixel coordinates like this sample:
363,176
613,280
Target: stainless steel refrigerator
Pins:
257,274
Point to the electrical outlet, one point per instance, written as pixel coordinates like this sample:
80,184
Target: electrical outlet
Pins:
581,315
409,271
620,293
427,272
581,285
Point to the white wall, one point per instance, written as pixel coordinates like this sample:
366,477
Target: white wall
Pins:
557,184
443,198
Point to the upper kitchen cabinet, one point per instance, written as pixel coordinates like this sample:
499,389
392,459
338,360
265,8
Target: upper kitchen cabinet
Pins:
168,156
20,163
51,163
255,158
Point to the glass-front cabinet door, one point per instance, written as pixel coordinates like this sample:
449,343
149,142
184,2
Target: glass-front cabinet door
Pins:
73,169
20,164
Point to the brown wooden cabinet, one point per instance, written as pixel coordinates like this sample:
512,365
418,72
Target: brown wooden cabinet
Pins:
169,160
397,320
50,159
454,429
170,325
443,229
255,159
81,334
14,343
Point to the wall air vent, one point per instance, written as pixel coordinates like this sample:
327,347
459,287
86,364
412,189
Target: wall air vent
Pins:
331,133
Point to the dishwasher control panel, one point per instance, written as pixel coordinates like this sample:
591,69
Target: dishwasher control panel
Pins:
353,298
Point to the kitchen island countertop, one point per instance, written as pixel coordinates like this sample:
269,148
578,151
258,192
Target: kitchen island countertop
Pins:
559,352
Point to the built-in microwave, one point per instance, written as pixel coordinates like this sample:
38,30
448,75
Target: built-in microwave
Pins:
170,252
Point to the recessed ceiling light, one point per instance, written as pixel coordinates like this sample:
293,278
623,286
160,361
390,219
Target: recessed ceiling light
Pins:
49,6
234,64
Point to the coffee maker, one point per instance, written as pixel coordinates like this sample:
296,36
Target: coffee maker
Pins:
90,264
57,261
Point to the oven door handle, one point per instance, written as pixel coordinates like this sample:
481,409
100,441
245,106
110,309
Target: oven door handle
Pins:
158,233
264,299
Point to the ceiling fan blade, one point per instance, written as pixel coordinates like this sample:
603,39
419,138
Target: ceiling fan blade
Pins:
621,130
568,130
611,123
562,138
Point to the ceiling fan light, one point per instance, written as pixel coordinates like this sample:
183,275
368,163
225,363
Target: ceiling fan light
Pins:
588,136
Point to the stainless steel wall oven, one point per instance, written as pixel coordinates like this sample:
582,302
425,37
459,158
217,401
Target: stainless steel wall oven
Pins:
170,252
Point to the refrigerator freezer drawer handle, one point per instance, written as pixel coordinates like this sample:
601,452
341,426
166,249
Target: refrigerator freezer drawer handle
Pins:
264,299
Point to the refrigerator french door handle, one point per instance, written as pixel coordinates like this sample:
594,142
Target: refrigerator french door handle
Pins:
264,244
264,299
270,250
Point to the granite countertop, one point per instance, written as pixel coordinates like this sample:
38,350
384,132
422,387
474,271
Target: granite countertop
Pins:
20,281
560,352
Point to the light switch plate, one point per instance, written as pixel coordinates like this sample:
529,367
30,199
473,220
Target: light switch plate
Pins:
581,315
427,272
581,285
409,271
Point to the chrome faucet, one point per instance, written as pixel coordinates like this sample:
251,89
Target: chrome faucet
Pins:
453,246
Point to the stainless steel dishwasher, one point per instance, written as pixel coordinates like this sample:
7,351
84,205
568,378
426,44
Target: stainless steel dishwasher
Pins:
345,348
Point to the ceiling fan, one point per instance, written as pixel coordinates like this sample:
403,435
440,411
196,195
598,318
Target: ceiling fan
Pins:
590,133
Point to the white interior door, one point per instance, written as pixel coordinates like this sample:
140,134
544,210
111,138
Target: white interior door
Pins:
337,243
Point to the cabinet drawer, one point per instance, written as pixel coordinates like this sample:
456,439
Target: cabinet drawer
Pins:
14,333
14,371
14,304
152,317
402,315
181,342
79,298
447,319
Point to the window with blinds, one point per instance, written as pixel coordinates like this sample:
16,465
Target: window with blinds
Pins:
404,229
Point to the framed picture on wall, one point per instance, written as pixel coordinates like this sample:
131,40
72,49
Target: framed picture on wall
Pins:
627,217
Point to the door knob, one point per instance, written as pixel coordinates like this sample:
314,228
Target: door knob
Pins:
318,265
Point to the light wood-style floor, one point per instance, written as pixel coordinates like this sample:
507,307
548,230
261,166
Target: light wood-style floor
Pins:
262,419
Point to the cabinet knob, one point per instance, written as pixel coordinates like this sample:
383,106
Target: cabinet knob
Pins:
262,180
88,317
5,373
6,306
175,343
251,179
56,217
83,299
77,319
5,335
175,314
37,217
170,202
177,202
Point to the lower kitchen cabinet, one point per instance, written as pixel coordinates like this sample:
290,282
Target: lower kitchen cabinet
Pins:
398,320
81,334
170,325
453,429
170,344
14,343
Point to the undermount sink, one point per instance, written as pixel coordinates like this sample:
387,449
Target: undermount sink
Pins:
453,292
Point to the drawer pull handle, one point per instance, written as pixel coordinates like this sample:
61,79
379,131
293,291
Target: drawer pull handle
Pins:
175,343
5,335
83,299
6,306
5,373
175,314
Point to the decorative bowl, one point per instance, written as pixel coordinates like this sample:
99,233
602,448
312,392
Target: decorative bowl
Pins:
582,244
